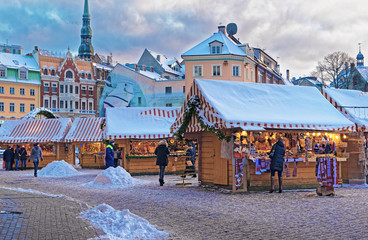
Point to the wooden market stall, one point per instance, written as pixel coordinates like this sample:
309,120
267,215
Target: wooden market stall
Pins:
50,133
137,132
354,105
85,142
252,117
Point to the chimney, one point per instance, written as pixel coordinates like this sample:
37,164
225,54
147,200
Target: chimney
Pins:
288,74
158,57
109,60
36,48
151,69
352,66
222,29
143,67
7,51
136,67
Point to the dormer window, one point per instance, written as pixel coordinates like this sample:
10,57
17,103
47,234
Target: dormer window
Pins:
23,73
2,71
52,72
69,74
45,71
216,47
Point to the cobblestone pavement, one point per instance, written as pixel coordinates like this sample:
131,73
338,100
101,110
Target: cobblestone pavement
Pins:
192,212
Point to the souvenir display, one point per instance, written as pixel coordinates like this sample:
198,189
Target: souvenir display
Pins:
240,151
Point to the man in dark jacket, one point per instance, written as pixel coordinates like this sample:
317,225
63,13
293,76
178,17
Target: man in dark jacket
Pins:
36,155
8,158
162,151
109,156
277,163
23,157
16,157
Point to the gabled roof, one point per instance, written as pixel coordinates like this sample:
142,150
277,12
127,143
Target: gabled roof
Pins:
165,62
203,48
363,71
352,103
17,61
140,122
228,104
85,130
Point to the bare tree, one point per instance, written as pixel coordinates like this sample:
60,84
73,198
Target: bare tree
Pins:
330,67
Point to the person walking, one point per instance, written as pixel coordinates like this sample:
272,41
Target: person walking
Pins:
36,155
109,155
16,157
8,156
23,157
277,163
162,152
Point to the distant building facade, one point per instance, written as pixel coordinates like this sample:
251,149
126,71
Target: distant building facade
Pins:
14,49
308,82
19,85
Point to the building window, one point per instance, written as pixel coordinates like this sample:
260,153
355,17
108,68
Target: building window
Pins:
168,90
22,74
70,88
32,92
61,104
260,77
61,88
12,108
247,73
198,71
89,76
22,91
83,75
83,105
90,91
84,90
139,100
76,90
12,90
2,90
252,76
46,103
53,72
1,107
102,76
66,104
31,107
69,74
90,106
216,70
236,71
76,105
183,89
2,72
71,104
54,88
22,108
45,71
168,105
46,87
54,104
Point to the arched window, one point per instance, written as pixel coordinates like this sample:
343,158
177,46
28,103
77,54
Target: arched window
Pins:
45,71
52,72
89,76
69,74
83,75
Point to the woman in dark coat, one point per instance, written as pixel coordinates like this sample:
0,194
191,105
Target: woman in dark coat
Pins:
277,163
23,157
162,151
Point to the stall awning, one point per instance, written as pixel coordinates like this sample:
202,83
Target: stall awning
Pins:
85,130
227,104
140,122
352,103
31,131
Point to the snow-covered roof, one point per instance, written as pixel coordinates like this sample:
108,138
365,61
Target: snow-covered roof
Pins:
85,130
38,130
228,104
140,122
103,66
352,103
18,61
364,72
203,48
47,53
165,62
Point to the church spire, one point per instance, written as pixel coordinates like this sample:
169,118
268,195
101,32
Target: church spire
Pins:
86,48
360,57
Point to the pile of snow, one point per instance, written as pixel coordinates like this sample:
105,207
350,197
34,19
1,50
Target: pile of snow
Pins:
58,169
122,224
113,178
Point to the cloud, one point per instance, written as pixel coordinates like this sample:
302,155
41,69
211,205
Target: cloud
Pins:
297,32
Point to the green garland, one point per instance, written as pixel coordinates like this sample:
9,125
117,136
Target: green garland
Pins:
138,157
193,107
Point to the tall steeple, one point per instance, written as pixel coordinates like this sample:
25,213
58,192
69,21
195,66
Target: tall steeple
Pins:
86,49
360,58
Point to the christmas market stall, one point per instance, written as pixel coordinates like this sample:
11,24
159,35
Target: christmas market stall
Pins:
236,124
49,133
137,131
85,142
354,105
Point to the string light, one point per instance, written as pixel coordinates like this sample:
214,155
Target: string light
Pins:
344,136
319,134
307,133
337,137
313,134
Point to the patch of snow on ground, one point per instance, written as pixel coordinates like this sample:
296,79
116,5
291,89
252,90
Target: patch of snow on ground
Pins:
355,186
114,178
58,169
122,224
33,192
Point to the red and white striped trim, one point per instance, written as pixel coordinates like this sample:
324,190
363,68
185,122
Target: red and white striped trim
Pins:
85,130
161,113
140,136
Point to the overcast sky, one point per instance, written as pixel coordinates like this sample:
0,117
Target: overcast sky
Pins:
298,33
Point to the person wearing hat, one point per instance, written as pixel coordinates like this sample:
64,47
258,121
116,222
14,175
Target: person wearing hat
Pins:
109,156
8,155
36,155
162,151
23,157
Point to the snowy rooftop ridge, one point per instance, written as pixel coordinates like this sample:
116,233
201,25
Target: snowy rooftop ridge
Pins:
165,62
17,61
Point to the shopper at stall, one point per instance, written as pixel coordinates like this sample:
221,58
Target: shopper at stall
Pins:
23,157
116,156
36,155
162,152
8,155
16,157
190,160
277,163
109,155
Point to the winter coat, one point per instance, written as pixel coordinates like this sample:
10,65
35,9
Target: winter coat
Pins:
162,151
109,157
8,155
36,154
16,153
23,154
277,161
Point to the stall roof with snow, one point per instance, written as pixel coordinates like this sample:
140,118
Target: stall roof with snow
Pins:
352,103
256,106
140,122
38,130
85,130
